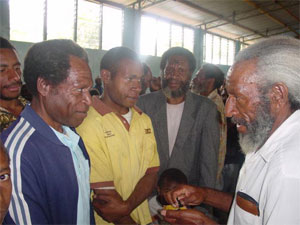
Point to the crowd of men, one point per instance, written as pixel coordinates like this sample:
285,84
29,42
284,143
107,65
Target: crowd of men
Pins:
70,158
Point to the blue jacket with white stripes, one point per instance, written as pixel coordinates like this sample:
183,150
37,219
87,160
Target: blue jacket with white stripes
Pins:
45,188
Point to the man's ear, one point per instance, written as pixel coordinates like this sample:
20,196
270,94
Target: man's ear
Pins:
105,76
43,87
279,95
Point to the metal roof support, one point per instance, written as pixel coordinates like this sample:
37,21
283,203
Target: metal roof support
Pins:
243,18
270,30
272,17
288,11
192,5
145,3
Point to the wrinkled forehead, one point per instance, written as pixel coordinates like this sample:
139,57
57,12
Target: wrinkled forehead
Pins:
7,53
242,73
178,60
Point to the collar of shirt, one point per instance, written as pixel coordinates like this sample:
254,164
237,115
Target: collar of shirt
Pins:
281,133
68,137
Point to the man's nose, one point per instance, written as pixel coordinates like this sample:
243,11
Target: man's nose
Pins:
230,107
87,98
136,84
14,75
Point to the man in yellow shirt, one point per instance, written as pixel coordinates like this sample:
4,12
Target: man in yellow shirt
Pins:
121,143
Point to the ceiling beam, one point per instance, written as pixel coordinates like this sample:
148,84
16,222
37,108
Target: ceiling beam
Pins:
269,31
219,16
145,3
287,10
283,32
272,17
242,18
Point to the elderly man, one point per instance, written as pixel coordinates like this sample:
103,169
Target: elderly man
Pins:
264,102
185,124
121,143
49,163
11,103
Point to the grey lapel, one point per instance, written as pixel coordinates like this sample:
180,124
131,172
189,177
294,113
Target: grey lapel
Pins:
160,120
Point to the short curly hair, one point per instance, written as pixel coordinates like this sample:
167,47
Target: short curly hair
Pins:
50,60
114,56
4,43
178,51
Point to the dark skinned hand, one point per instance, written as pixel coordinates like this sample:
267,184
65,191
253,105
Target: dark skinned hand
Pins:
187,217
110,206
186,194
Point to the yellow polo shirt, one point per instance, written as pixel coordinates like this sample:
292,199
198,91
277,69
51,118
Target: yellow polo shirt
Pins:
120,154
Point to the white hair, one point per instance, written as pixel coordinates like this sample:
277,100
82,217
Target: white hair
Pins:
278,60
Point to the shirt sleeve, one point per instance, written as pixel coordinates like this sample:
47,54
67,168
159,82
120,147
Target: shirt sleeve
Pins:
91,131
154,160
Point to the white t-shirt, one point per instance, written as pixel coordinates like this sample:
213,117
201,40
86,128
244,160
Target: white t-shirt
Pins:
174,114
271,176
128,116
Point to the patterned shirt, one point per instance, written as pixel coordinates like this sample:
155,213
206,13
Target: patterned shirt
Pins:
6,117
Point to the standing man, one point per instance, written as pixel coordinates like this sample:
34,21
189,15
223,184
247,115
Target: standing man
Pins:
146,79
11,103
49,163
185,124
208,81
121,143
98,85
264,102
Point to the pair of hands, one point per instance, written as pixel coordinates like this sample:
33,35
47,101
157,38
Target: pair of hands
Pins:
111,207
187,195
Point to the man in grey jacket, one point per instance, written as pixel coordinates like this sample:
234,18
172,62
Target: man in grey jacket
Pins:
185,124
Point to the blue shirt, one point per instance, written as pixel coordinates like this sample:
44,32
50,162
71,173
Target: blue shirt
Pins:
71,139
43,174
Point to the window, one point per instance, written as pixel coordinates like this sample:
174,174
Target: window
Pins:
88,24
163,37
26,20
60,19
112,27
218,50
176,35
148,36
158,35
188,41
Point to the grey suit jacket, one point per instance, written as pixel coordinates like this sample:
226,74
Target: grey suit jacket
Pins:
196,147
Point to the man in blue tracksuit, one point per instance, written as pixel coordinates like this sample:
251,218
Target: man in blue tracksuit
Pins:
49,163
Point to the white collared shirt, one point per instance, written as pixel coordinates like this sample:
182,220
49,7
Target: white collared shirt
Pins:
271,176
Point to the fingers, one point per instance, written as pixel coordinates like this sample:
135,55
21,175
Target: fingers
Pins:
179,193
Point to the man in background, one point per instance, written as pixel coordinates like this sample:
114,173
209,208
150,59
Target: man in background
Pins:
185,124
146,79
208,81
98,85
11,103
121,143
49,163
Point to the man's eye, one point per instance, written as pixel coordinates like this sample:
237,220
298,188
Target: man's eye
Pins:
4,177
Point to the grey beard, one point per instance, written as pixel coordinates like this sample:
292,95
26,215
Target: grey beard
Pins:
182,90
258,130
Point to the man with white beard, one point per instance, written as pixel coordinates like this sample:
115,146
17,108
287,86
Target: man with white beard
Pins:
264,102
